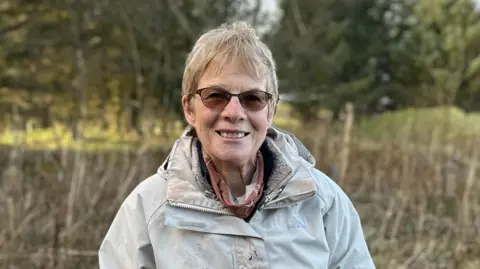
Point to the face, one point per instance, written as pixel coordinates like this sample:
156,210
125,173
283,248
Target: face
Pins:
233,134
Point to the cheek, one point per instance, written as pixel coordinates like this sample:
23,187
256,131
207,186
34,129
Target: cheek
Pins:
205,121
260,122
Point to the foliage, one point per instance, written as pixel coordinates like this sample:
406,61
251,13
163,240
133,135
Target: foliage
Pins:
328,58
435,61
119,55
130,60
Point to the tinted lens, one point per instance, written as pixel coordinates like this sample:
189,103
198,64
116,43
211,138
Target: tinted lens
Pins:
254,100
215,98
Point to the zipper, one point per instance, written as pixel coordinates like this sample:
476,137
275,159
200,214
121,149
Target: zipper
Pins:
263,201
267,200
199,208
269,197
287,205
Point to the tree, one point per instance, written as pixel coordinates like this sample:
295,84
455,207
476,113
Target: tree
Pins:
330,52
440,53
100,58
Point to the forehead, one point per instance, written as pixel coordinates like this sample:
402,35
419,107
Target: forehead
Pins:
230,73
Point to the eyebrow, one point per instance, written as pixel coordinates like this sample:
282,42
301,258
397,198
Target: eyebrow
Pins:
219,86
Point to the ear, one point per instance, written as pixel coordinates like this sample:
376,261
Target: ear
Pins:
188,110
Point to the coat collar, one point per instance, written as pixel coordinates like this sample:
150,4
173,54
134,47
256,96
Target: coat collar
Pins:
290,179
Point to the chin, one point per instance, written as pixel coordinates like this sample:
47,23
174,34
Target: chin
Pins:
234,157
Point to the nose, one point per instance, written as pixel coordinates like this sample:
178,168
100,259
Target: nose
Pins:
234,110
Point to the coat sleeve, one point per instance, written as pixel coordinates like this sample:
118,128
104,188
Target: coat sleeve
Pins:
127,243
348,247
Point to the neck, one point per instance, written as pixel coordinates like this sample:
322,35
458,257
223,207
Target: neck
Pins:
237,177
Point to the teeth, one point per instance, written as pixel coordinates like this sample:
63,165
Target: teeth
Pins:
232,135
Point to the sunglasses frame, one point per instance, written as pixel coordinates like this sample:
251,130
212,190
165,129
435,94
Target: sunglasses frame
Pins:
230,95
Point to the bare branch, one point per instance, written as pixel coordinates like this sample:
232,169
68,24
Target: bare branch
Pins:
181,19
11,28
302,29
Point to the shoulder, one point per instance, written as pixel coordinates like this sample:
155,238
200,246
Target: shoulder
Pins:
148,196
330,192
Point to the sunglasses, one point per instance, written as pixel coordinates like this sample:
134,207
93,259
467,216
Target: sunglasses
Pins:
218,98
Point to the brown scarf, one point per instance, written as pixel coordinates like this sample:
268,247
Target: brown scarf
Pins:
222,191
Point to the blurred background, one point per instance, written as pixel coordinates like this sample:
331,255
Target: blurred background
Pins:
385,94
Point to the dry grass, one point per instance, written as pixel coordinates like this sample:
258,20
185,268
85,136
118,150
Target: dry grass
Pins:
56,206
416,213
419,205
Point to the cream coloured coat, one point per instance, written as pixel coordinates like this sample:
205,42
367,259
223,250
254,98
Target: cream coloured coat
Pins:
173,220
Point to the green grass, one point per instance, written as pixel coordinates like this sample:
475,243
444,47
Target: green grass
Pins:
420,124
93,138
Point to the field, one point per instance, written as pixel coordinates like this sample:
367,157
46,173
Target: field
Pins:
414,186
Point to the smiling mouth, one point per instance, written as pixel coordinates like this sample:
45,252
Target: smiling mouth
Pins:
230,135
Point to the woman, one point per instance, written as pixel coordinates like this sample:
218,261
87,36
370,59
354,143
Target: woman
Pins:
235,192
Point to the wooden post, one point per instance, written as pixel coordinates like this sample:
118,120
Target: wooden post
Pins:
345,144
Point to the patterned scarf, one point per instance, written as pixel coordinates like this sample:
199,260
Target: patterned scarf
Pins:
252,195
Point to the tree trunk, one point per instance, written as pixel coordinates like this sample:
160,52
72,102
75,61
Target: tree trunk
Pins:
46,120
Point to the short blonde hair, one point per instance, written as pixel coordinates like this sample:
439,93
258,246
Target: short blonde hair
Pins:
235,40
